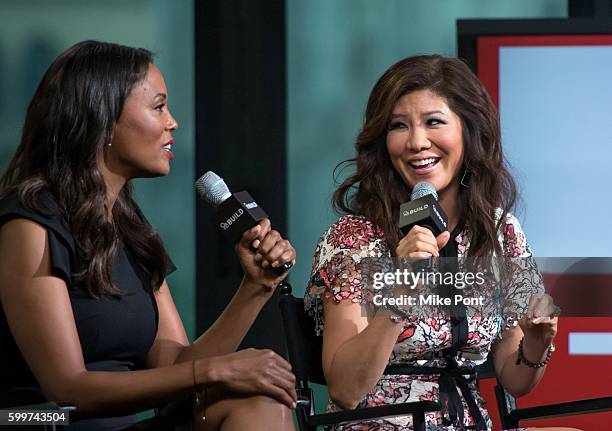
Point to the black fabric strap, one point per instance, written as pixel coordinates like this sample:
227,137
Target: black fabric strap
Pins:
452,376
459,324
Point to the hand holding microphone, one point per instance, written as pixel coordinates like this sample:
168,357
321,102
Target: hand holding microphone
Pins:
423,223
264,255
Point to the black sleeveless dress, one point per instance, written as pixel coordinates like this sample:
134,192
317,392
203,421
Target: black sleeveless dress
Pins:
115,333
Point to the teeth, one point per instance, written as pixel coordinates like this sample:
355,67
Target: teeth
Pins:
167,147
423,162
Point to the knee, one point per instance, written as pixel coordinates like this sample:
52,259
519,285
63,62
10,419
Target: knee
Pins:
255,406
261,404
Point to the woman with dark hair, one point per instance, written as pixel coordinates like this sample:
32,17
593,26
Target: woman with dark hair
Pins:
87,316
428,119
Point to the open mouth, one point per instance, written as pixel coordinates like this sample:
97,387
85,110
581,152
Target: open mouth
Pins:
424,164
168,149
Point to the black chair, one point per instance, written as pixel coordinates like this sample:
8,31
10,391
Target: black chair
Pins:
510,415
305,356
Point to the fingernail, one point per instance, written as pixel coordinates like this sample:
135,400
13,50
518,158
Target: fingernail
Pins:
264,264
256,243
293,405
274,264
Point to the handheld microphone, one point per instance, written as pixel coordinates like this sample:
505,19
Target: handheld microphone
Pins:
236,212
423,210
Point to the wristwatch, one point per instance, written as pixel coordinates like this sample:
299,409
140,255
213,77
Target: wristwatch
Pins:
397,315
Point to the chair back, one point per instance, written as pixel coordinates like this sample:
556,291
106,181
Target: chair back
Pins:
303,345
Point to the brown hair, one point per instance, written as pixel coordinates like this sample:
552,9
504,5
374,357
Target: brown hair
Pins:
69,122
379,188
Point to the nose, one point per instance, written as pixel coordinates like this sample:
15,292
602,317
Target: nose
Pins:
418,140
172,124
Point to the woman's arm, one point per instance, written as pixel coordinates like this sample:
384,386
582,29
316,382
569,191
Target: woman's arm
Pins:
520,379
538,331
224,336
227,332
355,352
39,313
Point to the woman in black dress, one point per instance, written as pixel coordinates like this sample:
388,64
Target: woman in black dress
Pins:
87,316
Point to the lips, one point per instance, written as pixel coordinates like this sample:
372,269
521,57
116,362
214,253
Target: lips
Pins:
168,149
423,165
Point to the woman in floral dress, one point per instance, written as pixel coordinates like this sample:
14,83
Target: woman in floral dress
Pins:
428,119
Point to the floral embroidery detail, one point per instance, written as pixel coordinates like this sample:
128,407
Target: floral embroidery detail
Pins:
352,233
514,243
406,333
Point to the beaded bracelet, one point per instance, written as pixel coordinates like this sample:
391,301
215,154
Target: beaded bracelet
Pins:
521,356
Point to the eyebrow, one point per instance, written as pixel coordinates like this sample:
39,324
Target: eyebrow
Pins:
163,95
424,113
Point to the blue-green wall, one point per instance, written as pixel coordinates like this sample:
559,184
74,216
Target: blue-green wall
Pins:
34,32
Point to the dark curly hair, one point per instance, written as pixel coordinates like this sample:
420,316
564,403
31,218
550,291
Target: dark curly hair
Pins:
69,122
376,190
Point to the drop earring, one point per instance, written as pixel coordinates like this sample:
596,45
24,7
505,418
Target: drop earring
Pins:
465,179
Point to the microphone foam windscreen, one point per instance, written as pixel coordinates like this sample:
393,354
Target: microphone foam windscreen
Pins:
212,188
423,189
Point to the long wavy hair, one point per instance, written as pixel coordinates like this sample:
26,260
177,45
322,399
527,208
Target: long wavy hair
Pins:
69,122
376,190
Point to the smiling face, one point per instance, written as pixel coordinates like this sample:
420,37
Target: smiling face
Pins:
425,143
142,140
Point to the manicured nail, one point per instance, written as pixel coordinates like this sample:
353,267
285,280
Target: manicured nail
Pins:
256,243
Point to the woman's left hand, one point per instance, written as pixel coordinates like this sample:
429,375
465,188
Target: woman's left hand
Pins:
262,251
540,324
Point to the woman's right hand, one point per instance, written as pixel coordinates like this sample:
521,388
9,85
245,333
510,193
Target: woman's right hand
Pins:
255,372
420,243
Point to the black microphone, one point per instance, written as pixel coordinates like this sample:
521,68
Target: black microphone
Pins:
423,210
236,212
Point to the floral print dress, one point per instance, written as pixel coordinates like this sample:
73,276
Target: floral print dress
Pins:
336,277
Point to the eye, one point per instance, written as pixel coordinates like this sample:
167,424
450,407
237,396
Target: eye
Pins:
435,122
396,125
160,107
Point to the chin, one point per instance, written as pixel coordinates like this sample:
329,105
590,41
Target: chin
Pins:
154,173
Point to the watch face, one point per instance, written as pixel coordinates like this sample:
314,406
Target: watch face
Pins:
395,319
